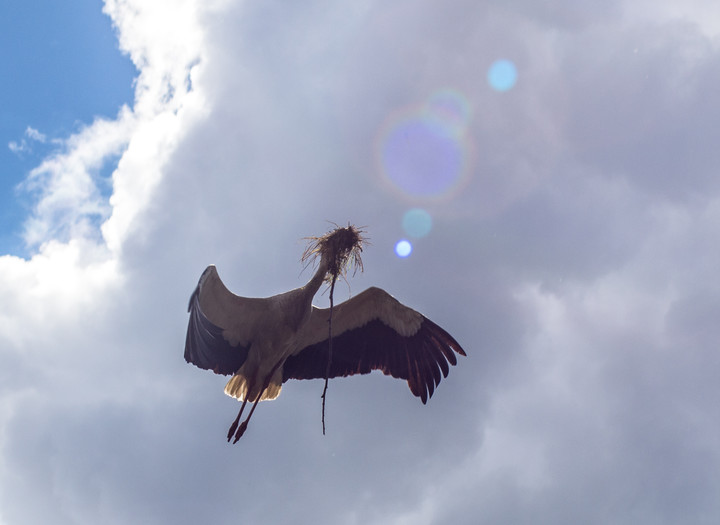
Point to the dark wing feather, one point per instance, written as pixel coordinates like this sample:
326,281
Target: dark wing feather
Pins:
205,346
421,359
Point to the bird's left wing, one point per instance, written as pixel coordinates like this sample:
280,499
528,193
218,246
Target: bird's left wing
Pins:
374,331
220,325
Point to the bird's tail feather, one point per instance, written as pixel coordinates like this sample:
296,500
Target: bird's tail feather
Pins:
238,387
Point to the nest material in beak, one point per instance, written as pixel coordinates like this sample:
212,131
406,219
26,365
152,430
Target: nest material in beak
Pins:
340,247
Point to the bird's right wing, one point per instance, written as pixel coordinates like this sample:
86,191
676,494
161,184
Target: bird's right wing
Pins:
221,325
374,331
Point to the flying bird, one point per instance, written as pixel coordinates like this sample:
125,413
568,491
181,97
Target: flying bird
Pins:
263,342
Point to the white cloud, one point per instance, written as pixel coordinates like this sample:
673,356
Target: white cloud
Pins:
576,267
16,147
66,183
24,146
34,134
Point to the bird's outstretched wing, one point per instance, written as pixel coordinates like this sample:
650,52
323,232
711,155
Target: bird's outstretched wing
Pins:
218,335
373,331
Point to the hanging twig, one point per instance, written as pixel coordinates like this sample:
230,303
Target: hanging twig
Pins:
327,369
340,249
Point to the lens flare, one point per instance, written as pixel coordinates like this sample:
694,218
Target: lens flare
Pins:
422,158
502,75
403,248
450,109
424,151
417,223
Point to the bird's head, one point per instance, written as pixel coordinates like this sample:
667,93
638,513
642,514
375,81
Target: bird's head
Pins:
338,249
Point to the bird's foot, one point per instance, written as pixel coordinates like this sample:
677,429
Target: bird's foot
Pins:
240,431
232,430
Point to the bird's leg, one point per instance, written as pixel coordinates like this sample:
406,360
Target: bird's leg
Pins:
243,426
237,420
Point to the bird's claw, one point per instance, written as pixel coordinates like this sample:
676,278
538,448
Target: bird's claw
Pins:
232,430
240,431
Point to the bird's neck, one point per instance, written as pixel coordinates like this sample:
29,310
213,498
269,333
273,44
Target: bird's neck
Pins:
314,284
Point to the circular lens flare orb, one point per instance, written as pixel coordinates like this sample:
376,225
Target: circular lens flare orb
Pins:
424,151
403,248
421,158
417,223
502,75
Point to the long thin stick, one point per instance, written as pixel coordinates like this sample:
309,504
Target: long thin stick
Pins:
327,369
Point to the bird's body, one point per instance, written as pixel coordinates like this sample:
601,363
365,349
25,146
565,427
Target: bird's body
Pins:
264,342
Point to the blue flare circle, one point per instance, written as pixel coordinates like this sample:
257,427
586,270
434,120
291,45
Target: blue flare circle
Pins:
403,248
417,222
502,75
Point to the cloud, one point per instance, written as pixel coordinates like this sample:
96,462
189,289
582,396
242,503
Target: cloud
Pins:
34,134
16,147
575,265
24,146
66,185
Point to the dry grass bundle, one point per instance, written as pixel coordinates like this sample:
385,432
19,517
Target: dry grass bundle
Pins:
341,246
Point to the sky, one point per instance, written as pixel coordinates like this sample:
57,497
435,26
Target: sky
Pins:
540,179
66,71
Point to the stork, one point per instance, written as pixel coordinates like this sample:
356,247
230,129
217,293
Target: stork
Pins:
263,342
